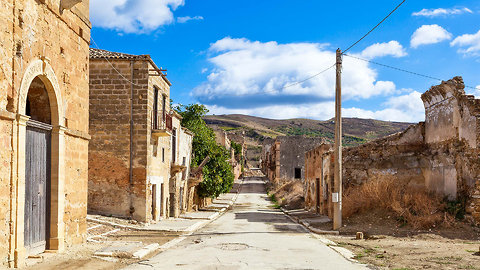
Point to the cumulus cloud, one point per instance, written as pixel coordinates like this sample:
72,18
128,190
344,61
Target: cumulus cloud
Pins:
392,48
257,72
405,108
429,34
441,12
188,18
133,16
249,77
470,43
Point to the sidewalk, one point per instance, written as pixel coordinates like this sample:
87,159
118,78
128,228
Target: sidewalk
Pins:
113,243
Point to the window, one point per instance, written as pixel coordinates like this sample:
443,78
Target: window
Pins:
163,154
155,108
174,145
298,173
164,101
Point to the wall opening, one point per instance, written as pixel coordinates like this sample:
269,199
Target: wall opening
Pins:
298,173
37,169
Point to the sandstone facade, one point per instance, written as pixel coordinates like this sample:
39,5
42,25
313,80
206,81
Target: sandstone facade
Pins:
440,154
134,152
44,82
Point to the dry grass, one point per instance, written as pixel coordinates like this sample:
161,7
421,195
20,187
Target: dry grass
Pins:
412,205
290,195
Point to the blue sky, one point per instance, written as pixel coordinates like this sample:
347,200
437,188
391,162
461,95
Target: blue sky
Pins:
238,56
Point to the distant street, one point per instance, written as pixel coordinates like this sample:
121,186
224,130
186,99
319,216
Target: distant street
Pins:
253,235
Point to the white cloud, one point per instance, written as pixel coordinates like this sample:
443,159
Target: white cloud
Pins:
441,12
406,108
251,68
392,48
429,34
188,18
470,41
323,110
247,77
133,16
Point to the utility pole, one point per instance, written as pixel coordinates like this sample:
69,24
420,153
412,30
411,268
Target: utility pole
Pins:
337,188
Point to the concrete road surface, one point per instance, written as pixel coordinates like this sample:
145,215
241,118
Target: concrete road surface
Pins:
253,235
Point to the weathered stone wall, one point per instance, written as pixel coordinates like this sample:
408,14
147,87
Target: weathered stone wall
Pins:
292,155
6,133
33,31
440,154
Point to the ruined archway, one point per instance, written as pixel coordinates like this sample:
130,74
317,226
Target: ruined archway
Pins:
40,105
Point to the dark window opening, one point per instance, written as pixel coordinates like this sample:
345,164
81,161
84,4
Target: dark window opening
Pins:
155,108
164,101
163,154
298,173
174,145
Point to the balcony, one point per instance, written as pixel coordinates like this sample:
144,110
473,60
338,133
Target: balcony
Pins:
161,125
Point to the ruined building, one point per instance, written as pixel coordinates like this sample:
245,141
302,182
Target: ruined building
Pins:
138,148
283,159
440,154
44,126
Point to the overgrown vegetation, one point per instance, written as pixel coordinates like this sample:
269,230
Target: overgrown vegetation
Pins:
217,173
238,150
411,205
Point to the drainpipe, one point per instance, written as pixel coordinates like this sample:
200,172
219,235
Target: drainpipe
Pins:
132,209
12,224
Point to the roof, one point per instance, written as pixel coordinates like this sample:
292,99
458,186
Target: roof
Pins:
103,54
98,54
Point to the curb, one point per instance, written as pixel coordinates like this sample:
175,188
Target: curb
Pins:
179,239
308,226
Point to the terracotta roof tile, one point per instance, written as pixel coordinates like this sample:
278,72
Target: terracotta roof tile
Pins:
98,54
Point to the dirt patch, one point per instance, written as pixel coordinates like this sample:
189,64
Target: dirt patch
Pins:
422,251
290,195
390,244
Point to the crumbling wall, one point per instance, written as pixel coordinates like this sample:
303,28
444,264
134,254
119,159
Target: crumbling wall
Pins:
292,156
440,154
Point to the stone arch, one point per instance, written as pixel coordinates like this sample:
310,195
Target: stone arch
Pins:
41,68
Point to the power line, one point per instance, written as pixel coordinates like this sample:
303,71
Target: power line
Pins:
351,46
376,26
309,78
121,75
402,70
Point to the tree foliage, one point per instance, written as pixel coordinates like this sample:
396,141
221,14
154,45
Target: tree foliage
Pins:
238,150
217,173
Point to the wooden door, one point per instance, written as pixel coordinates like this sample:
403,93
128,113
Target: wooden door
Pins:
317,191
37,186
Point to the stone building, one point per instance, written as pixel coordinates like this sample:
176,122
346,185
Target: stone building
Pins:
440,154
180,169
44,126
283,159
134,150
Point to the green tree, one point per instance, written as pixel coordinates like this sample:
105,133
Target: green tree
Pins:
217,173
238,150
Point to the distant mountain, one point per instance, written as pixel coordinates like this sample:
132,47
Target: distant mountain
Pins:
256,129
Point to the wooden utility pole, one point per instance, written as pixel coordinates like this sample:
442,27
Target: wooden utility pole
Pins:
337,188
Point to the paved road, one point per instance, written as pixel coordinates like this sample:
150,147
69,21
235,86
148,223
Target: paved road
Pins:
252,235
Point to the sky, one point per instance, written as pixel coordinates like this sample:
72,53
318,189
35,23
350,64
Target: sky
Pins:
254,56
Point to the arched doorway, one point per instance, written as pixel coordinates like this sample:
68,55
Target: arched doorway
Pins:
40,107
37,168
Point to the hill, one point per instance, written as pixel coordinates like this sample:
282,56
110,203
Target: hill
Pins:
256,129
